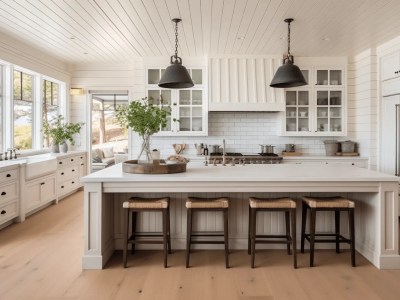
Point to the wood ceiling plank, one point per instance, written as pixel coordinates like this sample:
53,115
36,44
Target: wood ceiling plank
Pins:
237,16
197,25
186,26
216,13
206,13
226,22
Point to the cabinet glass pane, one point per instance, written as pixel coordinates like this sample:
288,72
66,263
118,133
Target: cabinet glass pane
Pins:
303,124
322,112
166,97
153,76
306,75
197,111
322,77
290,98
197,97
322,124
168,127
184,111
291,124
291,112
184,124
336,124
154,97
322,97
335,98
184,97
335,77
303,98
303,112
197,124
197,77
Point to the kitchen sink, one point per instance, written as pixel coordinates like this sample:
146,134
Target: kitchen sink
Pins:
38,166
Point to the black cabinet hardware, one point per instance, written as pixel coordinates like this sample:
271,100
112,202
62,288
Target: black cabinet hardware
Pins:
3,193
8,175
3,212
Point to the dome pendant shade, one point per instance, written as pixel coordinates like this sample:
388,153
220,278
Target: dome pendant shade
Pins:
176,76
288,75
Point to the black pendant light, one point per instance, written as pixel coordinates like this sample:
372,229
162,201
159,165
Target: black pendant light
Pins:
176,76
288,75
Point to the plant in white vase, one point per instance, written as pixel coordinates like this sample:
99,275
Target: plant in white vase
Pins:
144,118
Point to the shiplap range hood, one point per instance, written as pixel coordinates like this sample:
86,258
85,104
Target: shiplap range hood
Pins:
242,84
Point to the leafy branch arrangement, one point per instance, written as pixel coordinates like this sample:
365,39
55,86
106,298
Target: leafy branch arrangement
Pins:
145,119
59,132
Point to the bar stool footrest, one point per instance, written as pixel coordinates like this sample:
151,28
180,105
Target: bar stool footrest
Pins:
341,239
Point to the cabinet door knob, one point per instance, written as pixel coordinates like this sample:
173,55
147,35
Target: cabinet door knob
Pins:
62,173
72,159
82,164
73,170
73,182
3,212
8,175
62,186
60,162
3,193
42,183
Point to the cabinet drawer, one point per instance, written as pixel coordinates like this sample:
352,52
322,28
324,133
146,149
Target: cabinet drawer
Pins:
8,192
8,212
67,173
62,162
8,175
68,186
48,189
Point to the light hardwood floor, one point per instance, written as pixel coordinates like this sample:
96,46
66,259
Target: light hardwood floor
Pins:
41,259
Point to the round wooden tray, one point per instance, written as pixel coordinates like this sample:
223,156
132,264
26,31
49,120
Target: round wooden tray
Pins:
153,167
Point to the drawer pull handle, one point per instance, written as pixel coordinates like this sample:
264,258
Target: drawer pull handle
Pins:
42,183
62,186
73,170
73,182
62,173
60,162
72,159
3,193
8,175
81,157
3,212
82,164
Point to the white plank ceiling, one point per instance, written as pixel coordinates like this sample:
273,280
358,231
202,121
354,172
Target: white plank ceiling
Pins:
115,31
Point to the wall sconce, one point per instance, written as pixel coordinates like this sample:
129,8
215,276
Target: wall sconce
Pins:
76,91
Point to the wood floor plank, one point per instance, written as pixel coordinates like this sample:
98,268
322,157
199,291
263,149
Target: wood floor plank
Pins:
41,259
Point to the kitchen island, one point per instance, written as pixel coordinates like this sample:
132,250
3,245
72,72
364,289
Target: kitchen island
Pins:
376,196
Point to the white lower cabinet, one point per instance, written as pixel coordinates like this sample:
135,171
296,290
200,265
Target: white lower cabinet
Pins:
40,191
69,172
9,195
357,162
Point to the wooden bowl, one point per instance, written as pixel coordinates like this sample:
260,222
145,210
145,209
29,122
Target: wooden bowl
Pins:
153,167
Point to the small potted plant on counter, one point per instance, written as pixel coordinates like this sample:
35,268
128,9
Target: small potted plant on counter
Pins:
59,132
144,118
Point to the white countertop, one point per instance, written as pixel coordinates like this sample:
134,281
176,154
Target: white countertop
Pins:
197,172
324,157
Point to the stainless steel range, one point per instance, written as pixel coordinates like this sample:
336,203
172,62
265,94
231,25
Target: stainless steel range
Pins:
233,158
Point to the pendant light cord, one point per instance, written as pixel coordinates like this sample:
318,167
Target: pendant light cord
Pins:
288,38
176,40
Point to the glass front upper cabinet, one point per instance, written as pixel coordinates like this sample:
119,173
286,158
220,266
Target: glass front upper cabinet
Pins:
329,111
329,77
298,111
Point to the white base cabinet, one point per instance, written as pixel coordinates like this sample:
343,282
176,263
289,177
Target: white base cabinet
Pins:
9,194
40,192
70,170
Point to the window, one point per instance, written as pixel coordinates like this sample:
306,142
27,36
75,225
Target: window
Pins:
50,104
23,109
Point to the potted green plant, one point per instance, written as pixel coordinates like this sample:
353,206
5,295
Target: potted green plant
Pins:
59,132
144,118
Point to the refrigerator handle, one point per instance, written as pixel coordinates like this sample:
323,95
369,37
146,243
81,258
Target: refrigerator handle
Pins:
397,141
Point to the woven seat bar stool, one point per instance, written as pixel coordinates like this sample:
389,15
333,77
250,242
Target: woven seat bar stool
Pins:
335,204
286,205
193,205
136,205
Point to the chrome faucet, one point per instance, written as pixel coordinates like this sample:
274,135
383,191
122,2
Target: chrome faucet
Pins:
223,153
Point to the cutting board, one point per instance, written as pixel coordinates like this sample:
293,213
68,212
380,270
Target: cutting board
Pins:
347,154
284,153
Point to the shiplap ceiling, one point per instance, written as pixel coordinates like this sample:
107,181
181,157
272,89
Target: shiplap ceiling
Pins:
115,31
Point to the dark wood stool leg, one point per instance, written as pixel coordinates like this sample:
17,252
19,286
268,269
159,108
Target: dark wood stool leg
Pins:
337,229
352,237
303,225
165,236
253,235
294,235
169,230
125,233
226,238
188,235
312,235
249,236
134,216
287,224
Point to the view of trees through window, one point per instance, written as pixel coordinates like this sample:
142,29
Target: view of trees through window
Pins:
105,131
23,110
50,104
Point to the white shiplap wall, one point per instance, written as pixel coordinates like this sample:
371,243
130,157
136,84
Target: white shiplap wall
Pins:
363,104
